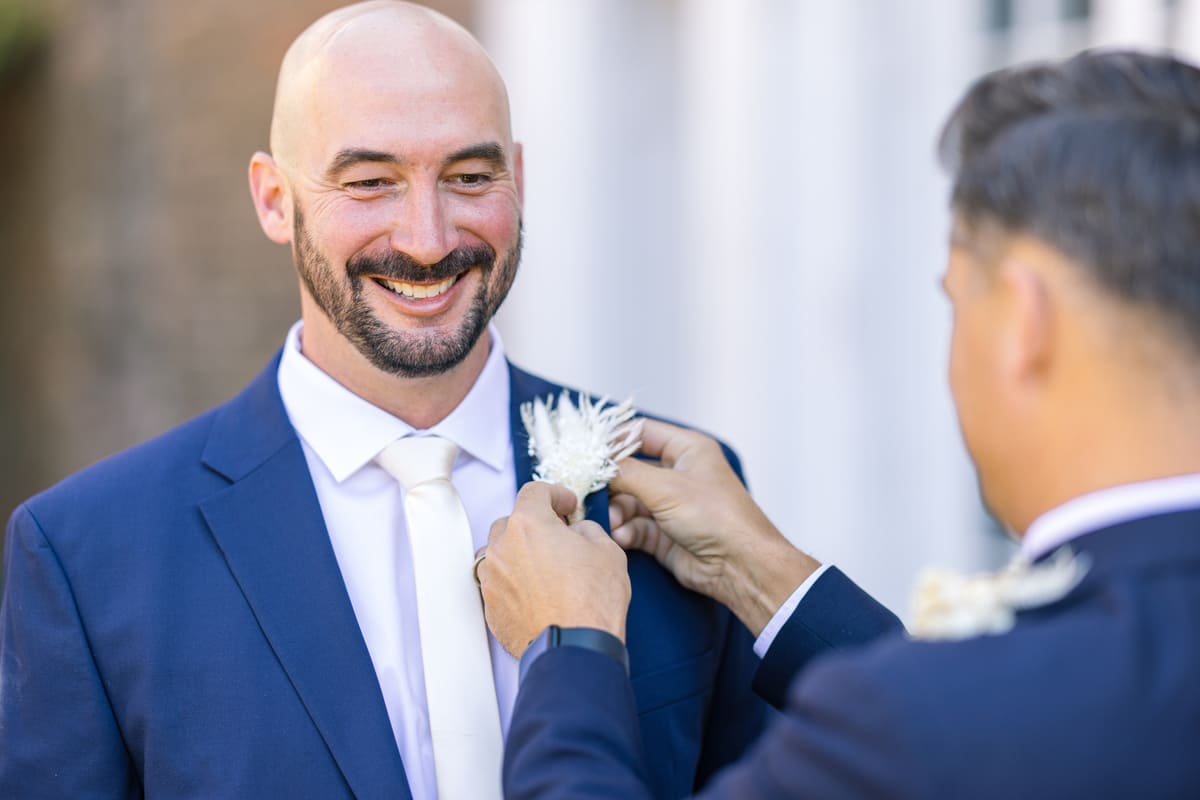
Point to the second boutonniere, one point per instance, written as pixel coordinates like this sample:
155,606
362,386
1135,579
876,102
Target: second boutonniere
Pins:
579,446
947,605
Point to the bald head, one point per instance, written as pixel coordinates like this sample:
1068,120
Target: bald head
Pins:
383,49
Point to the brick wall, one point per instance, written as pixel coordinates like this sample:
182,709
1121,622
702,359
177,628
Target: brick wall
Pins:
136,288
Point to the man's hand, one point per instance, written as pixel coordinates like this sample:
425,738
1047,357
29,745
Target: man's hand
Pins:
540,571
693,515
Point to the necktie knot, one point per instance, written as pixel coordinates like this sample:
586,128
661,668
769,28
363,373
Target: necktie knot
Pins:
415,460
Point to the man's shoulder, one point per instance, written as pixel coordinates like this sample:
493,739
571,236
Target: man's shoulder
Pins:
168,465
157,460
1049,650
1044,695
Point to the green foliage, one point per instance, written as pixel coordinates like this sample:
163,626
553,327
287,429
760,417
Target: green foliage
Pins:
23,33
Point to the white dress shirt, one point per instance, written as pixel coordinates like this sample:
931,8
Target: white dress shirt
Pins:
363,508
1107,507
1077,517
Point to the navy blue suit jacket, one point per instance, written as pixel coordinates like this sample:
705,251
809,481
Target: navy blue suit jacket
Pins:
1094,696
174,623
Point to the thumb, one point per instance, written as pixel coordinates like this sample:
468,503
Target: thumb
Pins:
539,494
646,481
590,531
562,500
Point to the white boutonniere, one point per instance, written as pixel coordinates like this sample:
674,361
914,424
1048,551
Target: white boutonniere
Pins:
579,446
947,605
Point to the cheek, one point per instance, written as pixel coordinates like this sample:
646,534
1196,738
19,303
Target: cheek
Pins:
965,373
495,217
978,398
956,371
343,230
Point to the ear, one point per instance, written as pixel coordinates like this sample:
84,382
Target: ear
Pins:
519,170
1029,326
272,201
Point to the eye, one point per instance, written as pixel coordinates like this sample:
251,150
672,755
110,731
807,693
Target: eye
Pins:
471,180
368,187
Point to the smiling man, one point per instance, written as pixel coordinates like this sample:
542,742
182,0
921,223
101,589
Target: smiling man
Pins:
268,601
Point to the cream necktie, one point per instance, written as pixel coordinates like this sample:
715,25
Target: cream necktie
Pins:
464,717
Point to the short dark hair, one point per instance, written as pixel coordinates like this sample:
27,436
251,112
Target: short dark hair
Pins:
1098,156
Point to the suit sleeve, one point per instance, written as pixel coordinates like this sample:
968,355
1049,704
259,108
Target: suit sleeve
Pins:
843,734
58,736
575,731
835,614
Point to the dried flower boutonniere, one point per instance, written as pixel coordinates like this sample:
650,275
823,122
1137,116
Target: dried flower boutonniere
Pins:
947,605
579,446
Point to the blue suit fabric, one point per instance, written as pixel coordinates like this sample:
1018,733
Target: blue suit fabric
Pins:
174,624
1096,695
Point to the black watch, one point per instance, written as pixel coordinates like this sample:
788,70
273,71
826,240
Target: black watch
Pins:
587,638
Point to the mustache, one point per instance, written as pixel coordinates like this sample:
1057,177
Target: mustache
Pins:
399,266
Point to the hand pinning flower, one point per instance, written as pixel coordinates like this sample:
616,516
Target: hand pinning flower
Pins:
579,446
951,606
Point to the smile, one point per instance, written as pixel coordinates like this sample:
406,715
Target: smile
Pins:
418,291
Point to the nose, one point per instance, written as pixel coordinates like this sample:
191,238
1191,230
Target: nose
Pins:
423,229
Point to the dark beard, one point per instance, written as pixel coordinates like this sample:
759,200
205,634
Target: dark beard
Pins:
404,353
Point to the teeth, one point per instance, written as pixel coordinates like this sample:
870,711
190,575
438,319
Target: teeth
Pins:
420,291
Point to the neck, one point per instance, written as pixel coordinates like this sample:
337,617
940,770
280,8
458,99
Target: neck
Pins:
1100,451
420,402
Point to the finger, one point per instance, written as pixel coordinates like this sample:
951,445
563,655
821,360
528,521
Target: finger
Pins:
666,442
497,530
481,574
624,507
616,517
647,482
563,500
480,558
590,530
535,496
638,534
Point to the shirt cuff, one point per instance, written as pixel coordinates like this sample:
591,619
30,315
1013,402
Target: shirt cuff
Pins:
765,639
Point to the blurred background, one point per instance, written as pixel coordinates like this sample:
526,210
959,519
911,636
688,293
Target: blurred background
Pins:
733,213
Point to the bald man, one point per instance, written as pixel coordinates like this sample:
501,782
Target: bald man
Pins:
238,608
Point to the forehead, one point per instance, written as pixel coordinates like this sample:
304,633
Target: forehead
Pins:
416,102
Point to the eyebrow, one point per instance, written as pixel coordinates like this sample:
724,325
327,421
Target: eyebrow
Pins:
357,155
491,152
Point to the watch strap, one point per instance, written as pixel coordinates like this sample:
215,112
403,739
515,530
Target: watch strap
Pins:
587,638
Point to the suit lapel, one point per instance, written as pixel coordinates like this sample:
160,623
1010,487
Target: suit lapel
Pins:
524,388
269,526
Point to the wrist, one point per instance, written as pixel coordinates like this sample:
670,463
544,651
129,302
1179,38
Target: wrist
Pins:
761,581
554,637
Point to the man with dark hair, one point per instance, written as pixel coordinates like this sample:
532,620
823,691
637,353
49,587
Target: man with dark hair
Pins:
275,600
1074,277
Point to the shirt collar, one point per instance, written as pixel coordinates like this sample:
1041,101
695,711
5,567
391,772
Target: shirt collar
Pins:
1107,507
346,432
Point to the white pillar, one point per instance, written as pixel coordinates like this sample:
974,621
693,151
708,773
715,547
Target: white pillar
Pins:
1187,29
1129,23
544,50
720,274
